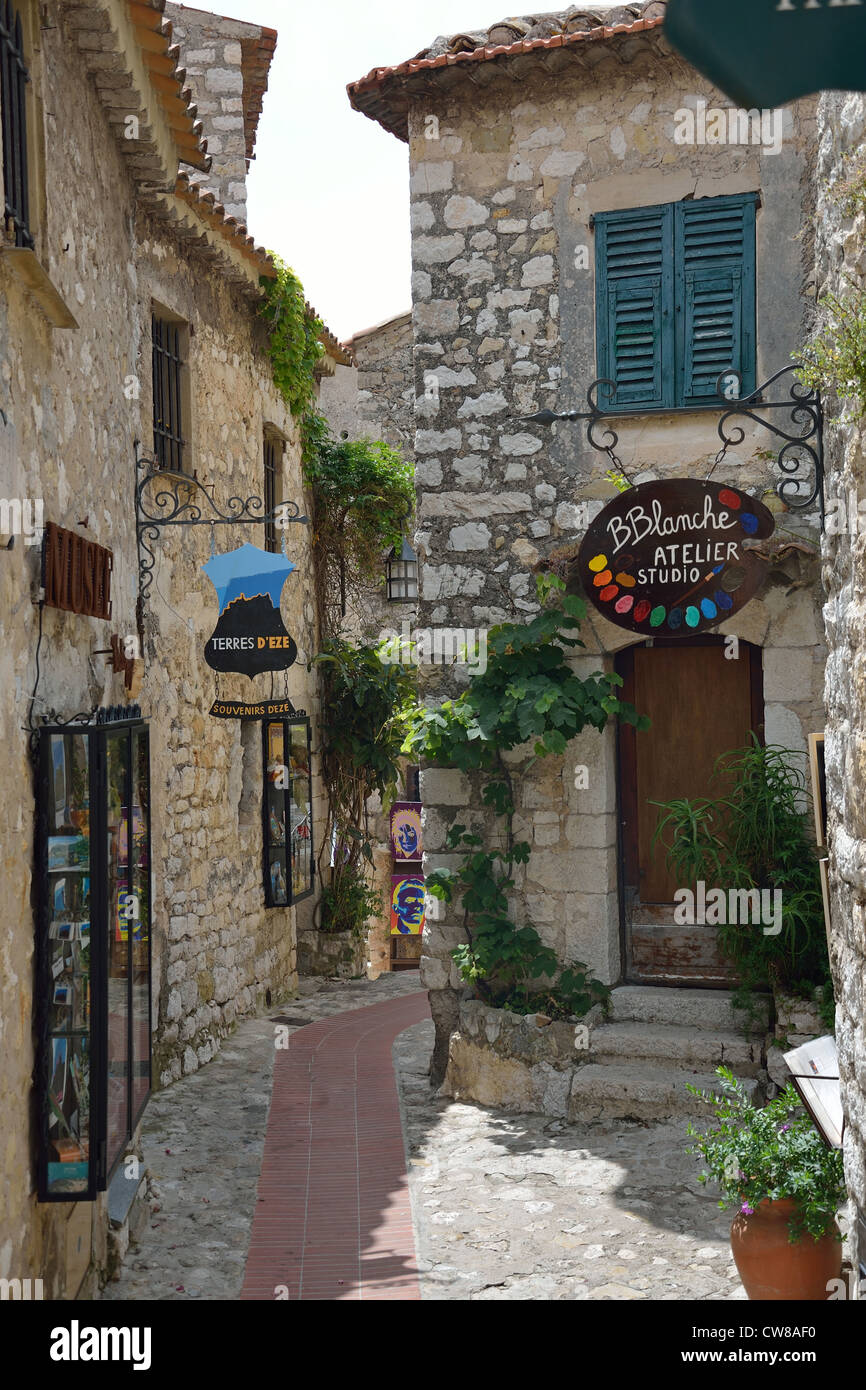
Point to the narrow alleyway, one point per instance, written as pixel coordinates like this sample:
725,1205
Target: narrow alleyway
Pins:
333,1220
291,1179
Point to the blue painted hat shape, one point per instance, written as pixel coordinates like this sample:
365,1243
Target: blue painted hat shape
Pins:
246,572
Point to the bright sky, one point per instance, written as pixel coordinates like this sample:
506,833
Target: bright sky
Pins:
329,188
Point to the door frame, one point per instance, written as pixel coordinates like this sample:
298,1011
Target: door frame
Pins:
626,768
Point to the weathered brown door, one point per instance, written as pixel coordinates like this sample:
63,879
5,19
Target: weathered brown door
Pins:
701,704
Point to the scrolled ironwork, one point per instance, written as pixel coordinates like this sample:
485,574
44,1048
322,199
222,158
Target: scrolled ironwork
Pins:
800,457
174,499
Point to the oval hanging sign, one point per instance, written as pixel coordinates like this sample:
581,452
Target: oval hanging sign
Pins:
671,557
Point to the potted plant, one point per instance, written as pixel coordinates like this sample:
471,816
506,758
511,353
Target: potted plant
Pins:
785,1186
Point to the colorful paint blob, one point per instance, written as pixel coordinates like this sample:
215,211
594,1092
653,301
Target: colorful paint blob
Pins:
598,562
602,579
693,617
729,499
642,610
657,616
627,581
723,600
749,523
610,592
675,619
623,605
708,608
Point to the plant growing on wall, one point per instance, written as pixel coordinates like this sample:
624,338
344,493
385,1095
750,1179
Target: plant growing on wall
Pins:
835,357
363,723
756,836
363,496
528,694
294,344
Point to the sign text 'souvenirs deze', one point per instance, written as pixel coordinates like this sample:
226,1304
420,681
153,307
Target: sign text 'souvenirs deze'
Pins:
673,557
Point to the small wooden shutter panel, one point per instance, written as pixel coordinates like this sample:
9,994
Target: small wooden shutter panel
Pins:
715,267
634,298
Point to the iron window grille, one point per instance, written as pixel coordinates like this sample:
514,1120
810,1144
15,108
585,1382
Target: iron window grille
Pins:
401,573
272,458
169,445
93,1000
14,77
287,811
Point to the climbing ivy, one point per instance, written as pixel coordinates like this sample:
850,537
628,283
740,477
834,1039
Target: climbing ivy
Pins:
528,694
363,498
362,725
293,341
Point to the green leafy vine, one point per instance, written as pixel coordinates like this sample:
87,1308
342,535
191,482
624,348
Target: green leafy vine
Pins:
528,693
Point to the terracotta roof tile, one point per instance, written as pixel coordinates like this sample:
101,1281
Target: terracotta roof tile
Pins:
383,93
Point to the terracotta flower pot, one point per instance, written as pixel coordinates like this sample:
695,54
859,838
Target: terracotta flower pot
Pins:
773,1269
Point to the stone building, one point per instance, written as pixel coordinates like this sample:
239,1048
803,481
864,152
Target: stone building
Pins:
586,206
842,136
374,397
130,341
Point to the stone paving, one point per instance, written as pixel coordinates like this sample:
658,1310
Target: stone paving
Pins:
524,1207
505,1206
203,1139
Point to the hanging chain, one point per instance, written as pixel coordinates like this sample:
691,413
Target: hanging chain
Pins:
616,474
719,458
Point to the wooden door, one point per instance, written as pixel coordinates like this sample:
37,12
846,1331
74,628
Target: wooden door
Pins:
701,704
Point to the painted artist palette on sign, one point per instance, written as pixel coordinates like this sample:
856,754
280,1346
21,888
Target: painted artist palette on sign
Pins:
671,558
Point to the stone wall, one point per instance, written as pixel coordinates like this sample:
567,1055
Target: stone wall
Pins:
502,202
220,56
842,125
75,400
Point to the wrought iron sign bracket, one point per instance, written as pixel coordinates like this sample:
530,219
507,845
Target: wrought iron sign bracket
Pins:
164,499
799,456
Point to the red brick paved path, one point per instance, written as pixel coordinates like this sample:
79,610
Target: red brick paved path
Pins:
332,1219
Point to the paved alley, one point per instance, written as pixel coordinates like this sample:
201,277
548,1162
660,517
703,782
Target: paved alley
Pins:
306,1195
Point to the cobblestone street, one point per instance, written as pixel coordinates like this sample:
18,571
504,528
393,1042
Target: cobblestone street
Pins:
504,1207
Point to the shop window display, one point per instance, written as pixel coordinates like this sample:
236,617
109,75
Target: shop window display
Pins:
288,812
93,1000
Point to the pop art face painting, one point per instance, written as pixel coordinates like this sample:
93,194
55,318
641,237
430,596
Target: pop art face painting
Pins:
407,905
406,830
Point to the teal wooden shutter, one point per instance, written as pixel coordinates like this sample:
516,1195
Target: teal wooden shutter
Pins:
715,294
634,306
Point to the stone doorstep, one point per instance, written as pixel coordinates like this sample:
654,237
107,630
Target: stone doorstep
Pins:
679,1047
641,1092
708,1010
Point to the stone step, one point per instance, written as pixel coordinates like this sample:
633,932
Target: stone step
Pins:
611,1091
677,1047
709,1010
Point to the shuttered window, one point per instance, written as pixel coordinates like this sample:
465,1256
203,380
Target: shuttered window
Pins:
675,301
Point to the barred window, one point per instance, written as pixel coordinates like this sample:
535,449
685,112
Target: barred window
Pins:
272,453
14,77
169,445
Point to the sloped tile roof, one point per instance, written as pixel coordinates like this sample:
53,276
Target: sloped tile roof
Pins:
383,94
